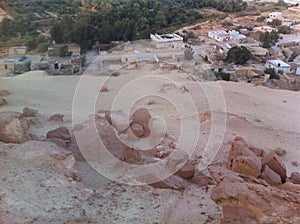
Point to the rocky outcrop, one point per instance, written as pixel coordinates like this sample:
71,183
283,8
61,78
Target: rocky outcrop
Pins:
243,160
57,118
4,93
60,133
13,129
2,102
29,112
247,196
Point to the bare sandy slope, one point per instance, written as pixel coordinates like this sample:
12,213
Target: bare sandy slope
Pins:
266,118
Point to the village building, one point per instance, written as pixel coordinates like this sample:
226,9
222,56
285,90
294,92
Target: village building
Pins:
75,49
166,41
276,15
7,64
223,36
279,66
259,51
18,50
264,29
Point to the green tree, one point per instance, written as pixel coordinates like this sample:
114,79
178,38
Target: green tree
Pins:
284,30
260,19
273,74
42,47
64,51
222,76
269,39
275,23
238,55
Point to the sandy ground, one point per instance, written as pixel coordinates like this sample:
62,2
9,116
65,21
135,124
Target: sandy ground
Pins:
265,117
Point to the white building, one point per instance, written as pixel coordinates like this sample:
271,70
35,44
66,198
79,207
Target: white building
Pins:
222,36
219,35
264,29
167,41
278,65
276,15
298,71
235,35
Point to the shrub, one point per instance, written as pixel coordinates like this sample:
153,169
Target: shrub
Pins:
43,47
222,76
273,74
238,55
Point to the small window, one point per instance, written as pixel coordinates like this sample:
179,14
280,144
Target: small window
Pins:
5,66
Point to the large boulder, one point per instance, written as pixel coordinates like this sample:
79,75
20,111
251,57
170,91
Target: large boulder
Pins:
188,170
13,129
143,118
57,118
246,201
243,160
29,112
60,133
272,160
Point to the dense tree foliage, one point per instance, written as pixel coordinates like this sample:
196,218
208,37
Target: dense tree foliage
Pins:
14,28
114,20
269,39
87,21
238,55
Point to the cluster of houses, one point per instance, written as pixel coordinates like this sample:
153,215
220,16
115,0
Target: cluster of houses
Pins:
19,61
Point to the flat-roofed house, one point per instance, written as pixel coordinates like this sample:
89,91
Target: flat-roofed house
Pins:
166,40
222,36
18,50
276,15
7,64
279,66
219,35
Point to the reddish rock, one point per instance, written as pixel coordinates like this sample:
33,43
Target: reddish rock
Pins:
257,151
29,112
143,118
295,178
13,129
2,102
288,186
111,141
246,201
242,160
132,156
188,170
57,118
57,141
104,89
4,93
201,180
173,182
270,176
280,152
173,145
275,164
137,130
60,133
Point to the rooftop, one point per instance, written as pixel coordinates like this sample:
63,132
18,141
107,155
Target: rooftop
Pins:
166,37
279,63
